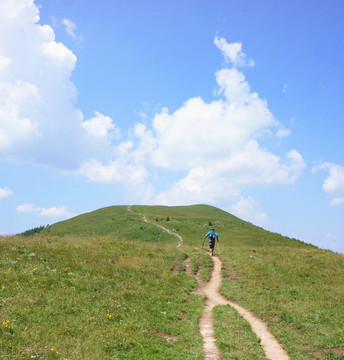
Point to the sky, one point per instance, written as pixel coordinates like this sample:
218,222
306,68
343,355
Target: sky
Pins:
235,104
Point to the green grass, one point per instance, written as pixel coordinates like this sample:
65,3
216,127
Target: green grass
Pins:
101,286
97,297
299,293
234,337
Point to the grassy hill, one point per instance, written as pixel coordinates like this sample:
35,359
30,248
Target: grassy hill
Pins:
108,285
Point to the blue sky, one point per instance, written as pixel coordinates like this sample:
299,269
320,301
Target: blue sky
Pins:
236,104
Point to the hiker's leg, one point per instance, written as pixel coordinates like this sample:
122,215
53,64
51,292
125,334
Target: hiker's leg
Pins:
211,246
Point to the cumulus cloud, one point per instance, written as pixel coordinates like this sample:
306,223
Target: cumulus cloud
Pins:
5,192
113,172
39,120
334,183
200,132
54,212
217,145
101,127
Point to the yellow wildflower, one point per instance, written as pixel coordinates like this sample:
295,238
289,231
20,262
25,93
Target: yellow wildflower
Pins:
6,324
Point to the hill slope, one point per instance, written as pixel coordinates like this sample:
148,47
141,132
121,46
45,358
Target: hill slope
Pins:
113,277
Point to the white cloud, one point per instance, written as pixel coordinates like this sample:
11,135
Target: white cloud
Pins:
224,134
246,208
26,208
112,173
200,132
54,212
71,29
222,180
17,102
233,52
4,62
39,120
283,132
217,145
59,56
18,11
334,183
5,192
101,127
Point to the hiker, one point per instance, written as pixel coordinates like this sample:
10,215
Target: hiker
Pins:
212,236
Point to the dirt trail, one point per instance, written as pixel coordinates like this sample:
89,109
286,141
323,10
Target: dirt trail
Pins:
211,290
273,350
180,242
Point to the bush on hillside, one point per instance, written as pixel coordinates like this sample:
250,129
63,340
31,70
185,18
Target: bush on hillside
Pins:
33,231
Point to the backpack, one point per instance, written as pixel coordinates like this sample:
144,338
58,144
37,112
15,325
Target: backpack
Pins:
212,236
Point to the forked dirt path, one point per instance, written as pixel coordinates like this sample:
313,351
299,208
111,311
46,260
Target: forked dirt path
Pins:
273,350
211,290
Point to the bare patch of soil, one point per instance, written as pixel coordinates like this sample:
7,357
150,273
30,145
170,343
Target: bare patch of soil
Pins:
169,338
230,274
188,267
337,351
175,269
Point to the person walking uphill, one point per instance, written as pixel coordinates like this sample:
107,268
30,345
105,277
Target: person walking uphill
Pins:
212,237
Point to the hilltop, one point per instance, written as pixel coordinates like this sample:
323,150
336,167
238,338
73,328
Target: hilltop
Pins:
190,221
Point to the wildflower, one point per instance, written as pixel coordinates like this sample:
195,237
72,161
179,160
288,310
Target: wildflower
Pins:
9,269
6,323
102,277
109,316
53,349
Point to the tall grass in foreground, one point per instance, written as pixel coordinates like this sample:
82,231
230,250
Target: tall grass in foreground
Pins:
76,297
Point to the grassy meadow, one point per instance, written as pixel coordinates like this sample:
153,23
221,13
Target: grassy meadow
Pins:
107,285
